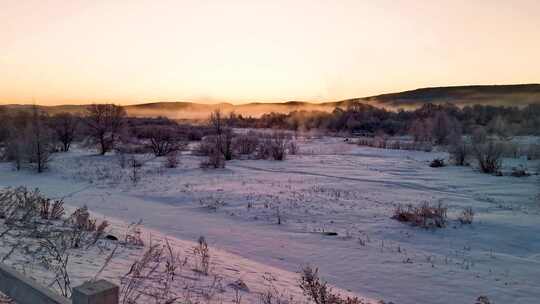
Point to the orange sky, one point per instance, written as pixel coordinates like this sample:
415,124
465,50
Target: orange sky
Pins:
80,51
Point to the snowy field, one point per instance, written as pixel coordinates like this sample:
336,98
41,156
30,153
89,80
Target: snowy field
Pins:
264,220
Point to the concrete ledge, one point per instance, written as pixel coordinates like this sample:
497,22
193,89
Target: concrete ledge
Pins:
99,292
26,291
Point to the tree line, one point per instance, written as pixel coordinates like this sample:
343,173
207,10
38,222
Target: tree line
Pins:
429,122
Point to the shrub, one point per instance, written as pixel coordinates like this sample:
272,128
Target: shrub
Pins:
318,291
171,160
533,151
467,216
246,143
425,216
19,204
520,172
202,256
274,146
54,211
163,140
482,300
488,153
293,148
437,163
215,159
459,151
150,278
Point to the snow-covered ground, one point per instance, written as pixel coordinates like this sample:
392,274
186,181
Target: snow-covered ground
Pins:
331,186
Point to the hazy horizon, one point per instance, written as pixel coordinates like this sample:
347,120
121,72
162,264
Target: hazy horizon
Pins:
79,52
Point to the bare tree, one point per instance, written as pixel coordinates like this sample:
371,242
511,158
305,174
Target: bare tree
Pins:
220,148
420,130
64,126
458,148
4,125
441,128
38,147
105,122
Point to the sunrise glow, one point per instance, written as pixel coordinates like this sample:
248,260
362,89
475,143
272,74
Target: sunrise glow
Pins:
57,52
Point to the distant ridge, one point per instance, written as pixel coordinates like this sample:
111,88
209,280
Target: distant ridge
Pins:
498,95
504,95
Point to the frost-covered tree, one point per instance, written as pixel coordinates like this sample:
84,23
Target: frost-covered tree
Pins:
38,144
64,126
105,122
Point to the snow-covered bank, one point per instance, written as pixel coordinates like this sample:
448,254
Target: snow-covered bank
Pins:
331,187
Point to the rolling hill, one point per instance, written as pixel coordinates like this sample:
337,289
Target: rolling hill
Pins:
497,95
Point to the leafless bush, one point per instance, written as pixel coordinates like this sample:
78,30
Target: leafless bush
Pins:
382,143
425,216
171,160
293,148
533,151
489,156
150,279
205,147
121,158
437,163
318,292
467,216
53,211
273,295
246,143
56,259
202,256
133,235
82,220
212,203
459,151
279,215
482,300
163,140
520,171
215,158
19,204
487,151
134,169
15,149
273,146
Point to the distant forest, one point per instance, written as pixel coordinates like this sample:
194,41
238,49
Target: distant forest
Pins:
363,118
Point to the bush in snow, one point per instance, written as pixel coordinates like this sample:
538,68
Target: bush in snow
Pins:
171,160
437,163
533,152
488,156
246,144
215,158
317,290
425,216
274,146
202,256
467,216
488,153
520,171
163,140
459,151
293,148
